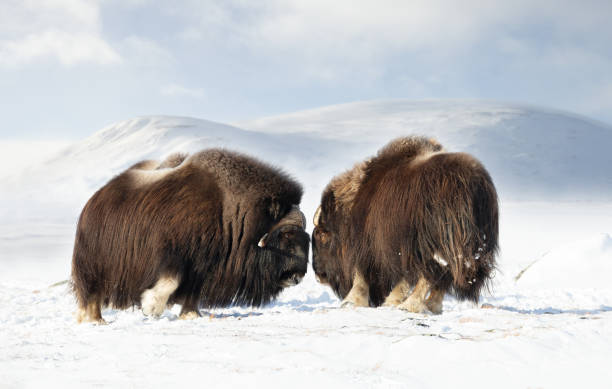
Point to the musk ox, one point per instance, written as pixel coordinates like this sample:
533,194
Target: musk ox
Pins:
407,226
213,229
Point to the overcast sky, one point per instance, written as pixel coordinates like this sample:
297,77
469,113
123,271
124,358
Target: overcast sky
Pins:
70,67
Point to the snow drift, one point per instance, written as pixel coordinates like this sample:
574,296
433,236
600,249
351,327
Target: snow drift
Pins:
582,264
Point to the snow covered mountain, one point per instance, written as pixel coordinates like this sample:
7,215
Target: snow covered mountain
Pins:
531,153
59,187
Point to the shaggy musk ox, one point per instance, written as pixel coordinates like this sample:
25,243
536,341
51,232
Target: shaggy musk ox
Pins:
210,230
407,226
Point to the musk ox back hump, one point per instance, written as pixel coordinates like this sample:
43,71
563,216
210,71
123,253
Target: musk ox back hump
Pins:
242,176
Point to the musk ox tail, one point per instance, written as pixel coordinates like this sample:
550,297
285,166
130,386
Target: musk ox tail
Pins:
466,224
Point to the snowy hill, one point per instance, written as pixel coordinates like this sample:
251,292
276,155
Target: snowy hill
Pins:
551,328
59,187
531,153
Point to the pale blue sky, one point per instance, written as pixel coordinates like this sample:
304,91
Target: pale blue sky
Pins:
70,67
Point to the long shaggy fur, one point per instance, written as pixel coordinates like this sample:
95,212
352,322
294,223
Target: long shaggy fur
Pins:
413,210
200,220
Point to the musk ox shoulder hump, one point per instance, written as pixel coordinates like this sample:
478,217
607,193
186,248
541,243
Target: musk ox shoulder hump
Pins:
409,147
148,172
244,175
346,185
413,148
173,160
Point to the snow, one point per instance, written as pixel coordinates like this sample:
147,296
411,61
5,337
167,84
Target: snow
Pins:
552,328
19,153
582,264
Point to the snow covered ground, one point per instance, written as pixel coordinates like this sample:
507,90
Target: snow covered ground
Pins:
550,328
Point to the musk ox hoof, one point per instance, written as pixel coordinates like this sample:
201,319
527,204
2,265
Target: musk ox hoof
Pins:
150,310
83,317
191,315
354,303
392,303
151,304
413,306
347,304
434,307
153,301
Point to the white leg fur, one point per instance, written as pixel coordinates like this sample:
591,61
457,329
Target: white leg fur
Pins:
416,301
398,294
359,295
153,301
90,314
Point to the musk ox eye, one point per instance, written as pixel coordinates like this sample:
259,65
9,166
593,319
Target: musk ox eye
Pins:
322,236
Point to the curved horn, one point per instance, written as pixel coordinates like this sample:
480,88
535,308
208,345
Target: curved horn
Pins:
317,215
262,241
294,217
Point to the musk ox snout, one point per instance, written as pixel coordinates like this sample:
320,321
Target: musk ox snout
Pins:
289,244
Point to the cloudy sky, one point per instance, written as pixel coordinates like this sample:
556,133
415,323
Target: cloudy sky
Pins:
70,67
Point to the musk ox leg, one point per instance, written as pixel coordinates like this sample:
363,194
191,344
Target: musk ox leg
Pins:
153,301
416,301
359,295
189,315
91,313
190,309
398,294
434,301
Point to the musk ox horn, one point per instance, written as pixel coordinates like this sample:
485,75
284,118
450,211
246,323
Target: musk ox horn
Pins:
295,217
262,241
316,217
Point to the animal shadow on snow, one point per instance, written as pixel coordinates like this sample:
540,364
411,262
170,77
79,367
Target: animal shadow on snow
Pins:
556,311
324,300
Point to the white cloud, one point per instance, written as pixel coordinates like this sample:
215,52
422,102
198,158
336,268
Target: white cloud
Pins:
66,31
176,90
330,38
342,24
146,52
68,49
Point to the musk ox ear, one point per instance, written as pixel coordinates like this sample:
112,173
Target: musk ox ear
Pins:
317,215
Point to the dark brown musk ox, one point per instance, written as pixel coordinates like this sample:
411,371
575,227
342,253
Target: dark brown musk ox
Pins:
213,229
407,226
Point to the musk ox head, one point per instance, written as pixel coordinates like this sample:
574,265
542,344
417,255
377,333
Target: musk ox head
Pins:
327,246
333,227
287,246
